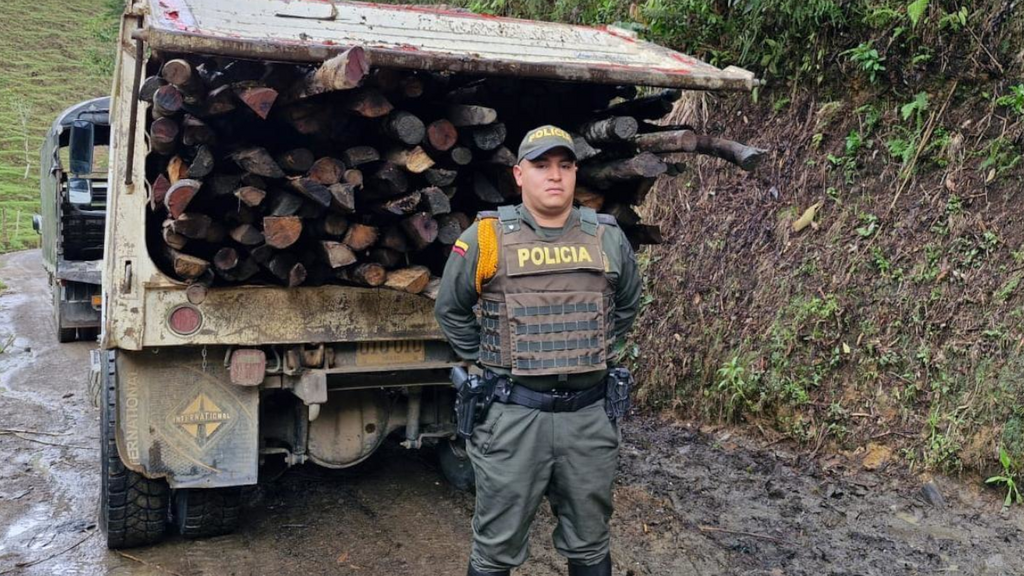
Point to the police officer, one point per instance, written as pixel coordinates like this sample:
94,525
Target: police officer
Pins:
536,294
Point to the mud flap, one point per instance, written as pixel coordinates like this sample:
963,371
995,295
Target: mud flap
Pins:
186,422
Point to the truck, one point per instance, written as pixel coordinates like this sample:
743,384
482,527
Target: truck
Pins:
73,214
201,383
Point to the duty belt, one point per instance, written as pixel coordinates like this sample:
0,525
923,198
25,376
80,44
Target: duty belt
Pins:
552,401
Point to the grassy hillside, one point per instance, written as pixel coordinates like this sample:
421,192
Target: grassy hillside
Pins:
52,54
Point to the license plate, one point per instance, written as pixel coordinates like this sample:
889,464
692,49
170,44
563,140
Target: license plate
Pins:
373,354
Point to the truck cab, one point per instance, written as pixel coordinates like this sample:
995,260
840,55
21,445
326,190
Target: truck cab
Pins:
73,199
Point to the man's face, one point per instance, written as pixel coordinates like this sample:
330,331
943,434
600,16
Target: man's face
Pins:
548,183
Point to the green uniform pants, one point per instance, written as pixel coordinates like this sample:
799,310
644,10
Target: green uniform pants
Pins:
521,454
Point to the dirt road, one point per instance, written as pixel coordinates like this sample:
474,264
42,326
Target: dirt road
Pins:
688,503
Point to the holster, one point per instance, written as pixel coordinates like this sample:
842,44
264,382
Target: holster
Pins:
473,398
618,384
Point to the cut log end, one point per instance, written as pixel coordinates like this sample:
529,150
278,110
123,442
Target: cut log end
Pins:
337,254
187,267
246,235
258,161
282,231
259,99
179,195
413,279
250,196
366,274
442,135
360,237
421,229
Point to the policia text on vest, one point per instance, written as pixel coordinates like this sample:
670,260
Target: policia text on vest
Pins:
557,257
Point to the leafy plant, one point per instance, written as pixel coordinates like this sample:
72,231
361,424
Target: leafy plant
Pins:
916,10
1000,156
989,241
854,142
954,21
936,148
915,108
870,225
848,164
1007,479
870,116
883,264
901,147
867,57
923,57
1014,100
734,383
881,16
954,205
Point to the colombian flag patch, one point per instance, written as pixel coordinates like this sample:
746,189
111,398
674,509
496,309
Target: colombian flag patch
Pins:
460,248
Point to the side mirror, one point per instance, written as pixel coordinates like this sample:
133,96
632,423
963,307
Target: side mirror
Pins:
80,191
80,148
37,223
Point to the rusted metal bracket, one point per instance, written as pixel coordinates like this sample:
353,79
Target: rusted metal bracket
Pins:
310,387
134,114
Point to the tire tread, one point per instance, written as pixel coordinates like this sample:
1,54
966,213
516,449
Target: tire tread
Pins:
133,507
207,512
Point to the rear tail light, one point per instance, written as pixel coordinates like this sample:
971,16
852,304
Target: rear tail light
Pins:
184,320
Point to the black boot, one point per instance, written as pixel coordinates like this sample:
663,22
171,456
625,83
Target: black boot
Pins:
602,568
474,572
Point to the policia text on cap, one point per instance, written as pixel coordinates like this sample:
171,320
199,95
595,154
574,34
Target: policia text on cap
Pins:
536,294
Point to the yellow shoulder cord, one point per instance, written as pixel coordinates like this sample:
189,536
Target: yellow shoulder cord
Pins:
487,259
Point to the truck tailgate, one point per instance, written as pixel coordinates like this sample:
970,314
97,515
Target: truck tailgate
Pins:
427,38
254,315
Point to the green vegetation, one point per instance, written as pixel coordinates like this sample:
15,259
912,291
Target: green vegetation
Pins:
737,389
16,232
1014,100
1007,479
789,40
52,55
868,59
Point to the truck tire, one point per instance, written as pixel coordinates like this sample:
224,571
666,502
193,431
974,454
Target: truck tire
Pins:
206,512
65,335
455,464
133,508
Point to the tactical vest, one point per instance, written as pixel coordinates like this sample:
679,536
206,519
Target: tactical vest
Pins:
547,309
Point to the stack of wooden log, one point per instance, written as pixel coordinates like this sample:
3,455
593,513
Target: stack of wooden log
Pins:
339,173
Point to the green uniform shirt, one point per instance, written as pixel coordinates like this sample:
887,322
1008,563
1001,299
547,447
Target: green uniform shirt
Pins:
457,297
